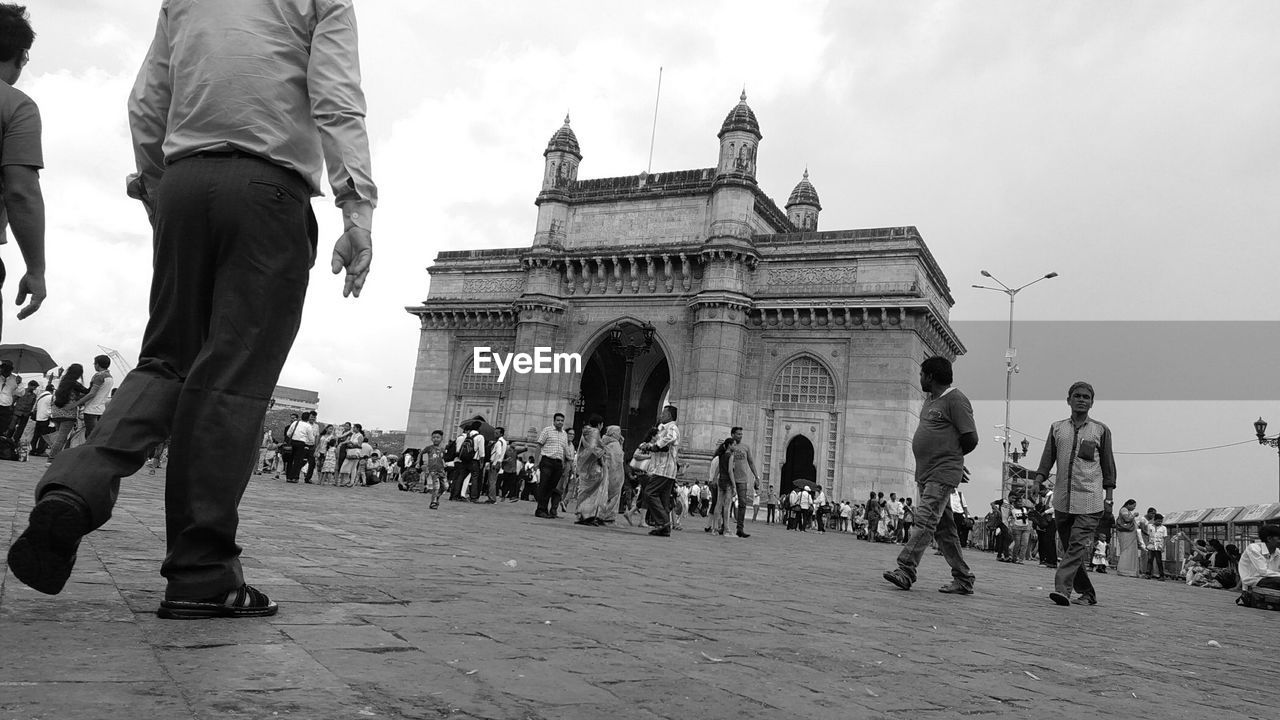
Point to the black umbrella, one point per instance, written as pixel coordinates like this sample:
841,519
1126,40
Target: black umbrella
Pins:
27,358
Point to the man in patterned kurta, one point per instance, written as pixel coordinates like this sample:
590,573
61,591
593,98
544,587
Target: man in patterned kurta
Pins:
1081,448
663,466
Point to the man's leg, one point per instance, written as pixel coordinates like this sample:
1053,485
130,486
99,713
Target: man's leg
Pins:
548,478
297,456
1076,533
1157,564
90,422
742,508
312,461
233,237
656,489
934,507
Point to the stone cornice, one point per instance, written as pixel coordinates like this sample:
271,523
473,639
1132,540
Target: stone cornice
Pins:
469,315
852,315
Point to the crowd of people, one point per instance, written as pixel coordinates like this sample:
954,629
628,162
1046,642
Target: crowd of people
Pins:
42,417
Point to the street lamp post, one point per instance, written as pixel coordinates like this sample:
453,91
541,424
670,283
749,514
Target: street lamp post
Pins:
630,341
1010,368
1260,427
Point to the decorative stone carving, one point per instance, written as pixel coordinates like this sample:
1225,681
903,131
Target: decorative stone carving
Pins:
842,275
491,286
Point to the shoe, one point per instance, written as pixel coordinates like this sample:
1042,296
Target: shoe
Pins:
743,535
553,516
955,588
585,521
490,502
1059,598
291,481
541,514
244,601
661,532
44,554
308,482
899,578
706,529
1085,600
433,505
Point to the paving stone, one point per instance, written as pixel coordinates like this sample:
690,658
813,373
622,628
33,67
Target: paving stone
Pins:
391,610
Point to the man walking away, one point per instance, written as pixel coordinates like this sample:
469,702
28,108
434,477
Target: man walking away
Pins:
238,106
945,435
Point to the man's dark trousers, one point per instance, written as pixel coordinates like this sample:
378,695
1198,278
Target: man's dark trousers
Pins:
297,456
233,246
657,494
1076,533
312,460
549,472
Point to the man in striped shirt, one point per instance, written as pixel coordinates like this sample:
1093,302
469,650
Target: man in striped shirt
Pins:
554,442
1081,448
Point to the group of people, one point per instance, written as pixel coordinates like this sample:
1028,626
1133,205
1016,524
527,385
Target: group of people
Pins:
341,456
54,411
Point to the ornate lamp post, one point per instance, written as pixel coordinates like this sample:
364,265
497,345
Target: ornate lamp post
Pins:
1009,368
630,341
1260,427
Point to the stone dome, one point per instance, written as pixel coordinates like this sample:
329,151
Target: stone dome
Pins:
564,141
804,194
741,118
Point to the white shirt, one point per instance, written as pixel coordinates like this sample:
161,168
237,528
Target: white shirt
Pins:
499,450
1256,563
895,509
806,500
303,432
9,389
821,499
44,405
98,404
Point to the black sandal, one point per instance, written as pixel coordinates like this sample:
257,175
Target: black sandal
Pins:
245,601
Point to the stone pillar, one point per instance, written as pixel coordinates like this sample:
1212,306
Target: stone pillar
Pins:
429,399
716,361
534,397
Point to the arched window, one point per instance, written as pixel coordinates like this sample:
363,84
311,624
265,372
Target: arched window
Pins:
474,382
804,381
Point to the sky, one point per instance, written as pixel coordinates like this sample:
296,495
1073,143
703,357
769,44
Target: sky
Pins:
1130,147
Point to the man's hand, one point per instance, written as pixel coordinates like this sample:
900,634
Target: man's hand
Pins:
354,252
30,286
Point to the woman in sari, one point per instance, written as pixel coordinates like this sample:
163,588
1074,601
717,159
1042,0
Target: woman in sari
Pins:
589,469
1127,539
615,474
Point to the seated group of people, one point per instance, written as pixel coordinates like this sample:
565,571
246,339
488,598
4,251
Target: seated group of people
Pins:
1212,565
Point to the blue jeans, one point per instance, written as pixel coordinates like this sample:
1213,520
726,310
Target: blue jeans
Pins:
933,518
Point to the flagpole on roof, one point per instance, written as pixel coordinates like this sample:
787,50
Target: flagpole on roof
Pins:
654,134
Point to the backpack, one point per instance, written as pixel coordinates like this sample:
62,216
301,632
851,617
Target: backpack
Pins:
8,450
1260,598
467,452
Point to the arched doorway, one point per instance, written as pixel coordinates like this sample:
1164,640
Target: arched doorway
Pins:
798,465
604,375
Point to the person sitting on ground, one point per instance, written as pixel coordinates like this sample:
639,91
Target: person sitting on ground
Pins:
1259,567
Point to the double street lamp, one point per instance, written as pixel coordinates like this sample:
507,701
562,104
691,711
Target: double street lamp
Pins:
1010,368
1260,427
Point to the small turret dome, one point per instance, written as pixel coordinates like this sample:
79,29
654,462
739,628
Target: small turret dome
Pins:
741,118
804,194
565,141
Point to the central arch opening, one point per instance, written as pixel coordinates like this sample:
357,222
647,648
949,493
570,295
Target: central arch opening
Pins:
604,378
798,466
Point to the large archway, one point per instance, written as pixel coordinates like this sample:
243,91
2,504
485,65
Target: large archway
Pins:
602,389
798,465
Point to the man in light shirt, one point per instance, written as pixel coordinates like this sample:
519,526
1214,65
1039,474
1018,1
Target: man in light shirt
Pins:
664,465
1260,563
95,402
496,455
237,108
553,462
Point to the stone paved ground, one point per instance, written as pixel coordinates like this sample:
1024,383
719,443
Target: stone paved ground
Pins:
393,611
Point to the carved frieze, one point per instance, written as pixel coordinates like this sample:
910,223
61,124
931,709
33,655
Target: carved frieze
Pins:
493,286
841,275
